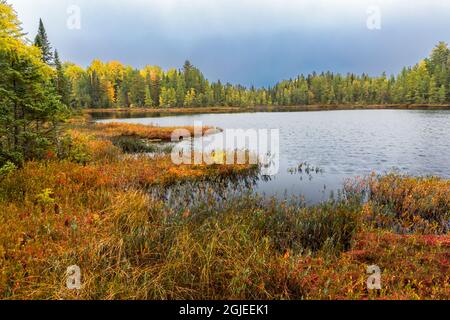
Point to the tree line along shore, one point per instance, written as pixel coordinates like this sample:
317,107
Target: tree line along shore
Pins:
219,109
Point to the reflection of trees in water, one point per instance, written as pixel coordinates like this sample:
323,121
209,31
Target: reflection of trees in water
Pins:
210,192
209,196
214,193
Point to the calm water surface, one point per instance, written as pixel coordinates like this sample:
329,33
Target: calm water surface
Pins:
343,144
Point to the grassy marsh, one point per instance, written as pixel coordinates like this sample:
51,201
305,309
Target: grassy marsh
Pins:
91,205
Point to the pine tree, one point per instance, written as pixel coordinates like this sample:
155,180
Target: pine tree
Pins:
442,94
41,41
188,76
209,95
61,81
95,90
180,90
148,97
433,92
137,89
426,82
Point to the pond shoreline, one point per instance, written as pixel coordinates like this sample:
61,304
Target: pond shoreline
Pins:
305,108
343,144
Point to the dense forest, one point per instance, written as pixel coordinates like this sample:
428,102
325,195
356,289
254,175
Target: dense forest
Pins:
113,84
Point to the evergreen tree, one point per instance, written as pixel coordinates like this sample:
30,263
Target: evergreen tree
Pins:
433,92
188,76
209,95
442,94
30,110
148,98
180,90
61,81
95,90
41,41
137,89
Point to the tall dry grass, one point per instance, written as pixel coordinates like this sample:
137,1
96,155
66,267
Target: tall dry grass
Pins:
94,209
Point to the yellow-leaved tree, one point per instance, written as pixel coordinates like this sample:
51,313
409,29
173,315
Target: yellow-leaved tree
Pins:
29,107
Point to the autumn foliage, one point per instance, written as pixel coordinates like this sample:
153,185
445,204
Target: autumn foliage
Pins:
409,204
99,214
144,131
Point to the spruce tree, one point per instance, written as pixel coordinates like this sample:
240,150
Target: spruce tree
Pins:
188,76
433,91
95,90
148,102
41,41
180,90
61,81
442,94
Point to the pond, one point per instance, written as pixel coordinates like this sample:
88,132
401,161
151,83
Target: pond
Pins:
336,145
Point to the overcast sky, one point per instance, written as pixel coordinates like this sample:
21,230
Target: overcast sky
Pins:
245,41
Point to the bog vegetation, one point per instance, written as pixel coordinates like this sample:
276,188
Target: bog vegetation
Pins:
95,208
77,193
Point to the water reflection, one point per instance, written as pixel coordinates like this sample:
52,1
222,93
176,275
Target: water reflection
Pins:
191,194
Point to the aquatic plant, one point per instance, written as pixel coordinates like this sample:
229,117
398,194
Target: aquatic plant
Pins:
307,169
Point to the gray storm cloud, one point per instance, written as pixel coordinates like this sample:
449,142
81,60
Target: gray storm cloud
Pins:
247,41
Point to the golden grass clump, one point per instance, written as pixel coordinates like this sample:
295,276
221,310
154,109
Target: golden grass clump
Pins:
144,131
411,204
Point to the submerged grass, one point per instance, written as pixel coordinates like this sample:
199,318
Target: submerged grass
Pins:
101,210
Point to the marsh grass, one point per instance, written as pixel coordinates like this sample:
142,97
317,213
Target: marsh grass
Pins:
121,219
133,145
153,133
410,204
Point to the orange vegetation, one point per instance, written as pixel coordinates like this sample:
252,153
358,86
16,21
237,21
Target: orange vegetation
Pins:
91,207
